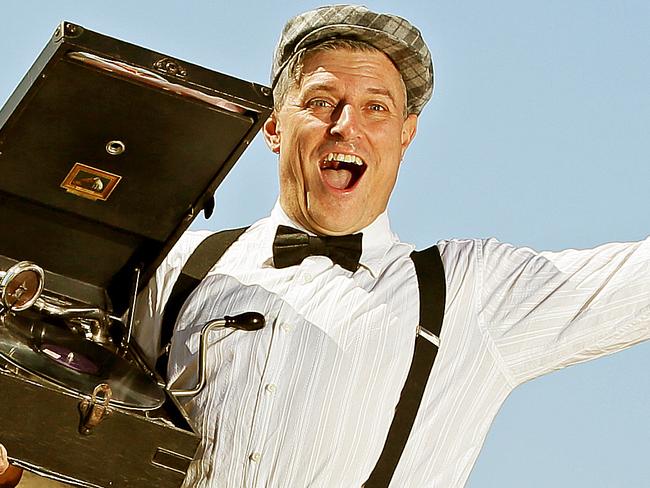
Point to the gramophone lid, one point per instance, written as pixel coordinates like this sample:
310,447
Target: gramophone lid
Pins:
109,150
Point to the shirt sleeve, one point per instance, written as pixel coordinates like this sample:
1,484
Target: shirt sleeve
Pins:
152,299
546,311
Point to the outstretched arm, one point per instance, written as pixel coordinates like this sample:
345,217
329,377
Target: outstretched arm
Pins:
545,311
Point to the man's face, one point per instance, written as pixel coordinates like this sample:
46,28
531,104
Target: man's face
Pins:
340,136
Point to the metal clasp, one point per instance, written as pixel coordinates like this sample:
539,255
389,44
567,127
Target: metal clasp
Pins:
432,338
92,412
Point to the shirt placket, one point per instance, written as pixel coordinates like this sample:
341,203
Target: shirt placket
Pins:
284,328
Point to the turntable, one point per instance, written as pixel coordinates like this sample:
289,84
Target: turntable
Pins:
108,151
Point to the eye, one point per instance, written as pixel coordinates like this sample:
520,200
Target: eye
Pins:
377,107
319,103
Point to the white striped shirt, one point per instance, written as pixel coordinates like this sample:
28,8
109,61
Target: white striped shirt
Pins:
308,400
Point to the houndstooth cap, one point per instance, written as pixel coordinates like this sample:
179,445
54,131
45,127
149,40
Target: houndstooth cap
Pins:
395,36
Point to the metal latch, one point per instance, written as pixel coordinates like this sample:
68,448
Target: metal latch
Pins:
94,411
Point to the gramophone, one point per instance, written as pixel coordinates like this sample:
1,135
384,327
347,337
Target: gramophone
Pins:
108,151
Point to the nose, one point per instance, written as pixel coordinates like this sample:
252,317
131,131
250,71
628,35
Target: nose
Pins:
345,122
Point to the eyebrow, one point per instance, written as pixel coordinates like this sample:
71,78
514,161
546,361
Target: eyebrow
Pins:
325,86
383,92
321,86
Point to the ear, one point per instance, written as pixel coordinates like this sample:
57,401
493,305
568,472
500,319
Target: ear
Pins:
271,131
408,131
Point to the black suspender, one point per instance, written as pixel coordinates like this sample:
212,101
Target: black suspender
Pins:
432,287
197,266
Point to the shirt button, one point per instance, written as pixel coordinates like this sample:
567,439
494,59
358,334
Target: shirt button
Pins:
286,327
307,277
255,457
271,388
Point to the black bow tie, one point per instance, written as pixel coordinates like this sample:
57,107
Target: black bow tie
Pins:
291,246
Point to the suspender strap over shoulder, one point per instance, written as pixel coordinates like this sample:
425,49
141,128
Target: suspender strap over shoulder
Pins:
432,286
196,268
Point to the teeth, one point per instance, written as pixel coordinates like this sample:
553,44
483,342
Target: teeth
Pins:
344,158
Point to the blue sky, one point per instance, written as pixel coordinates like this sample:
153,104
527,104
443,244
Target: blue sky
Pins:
537,134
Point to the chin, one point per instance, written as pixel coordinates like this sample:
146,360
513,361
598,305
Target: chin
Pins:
331,219
337,228
335,220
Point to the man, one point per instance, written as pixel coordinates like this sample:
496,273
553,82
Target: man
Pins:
308,400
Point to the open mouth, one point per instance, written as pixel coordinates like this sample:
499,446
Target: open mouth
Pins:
342,171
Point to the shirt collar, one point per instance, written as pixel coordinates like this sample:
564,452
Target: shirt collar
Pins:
377,238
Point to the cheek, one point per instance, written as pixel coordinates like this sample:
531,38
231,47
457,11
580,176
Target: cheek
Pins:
293,177
300,163
385,185
386,177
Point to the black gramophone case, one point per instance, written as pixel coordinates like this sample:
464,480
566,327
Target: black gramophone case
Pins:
107,153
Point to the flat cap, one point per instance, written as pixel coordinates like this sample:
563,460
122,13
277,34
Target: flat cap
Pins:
393,35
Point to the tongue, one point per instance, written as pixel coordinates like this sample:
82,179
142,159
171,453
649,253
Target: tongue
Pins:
337,178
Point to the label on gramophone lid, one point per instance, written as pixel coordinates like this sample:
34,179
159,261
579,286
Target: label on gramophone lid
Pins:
88,182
